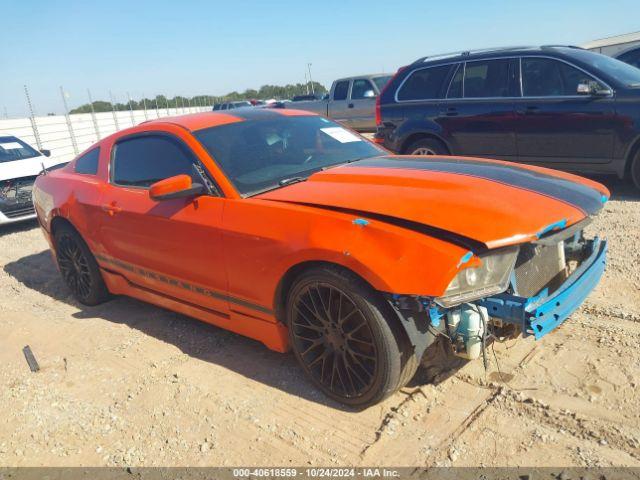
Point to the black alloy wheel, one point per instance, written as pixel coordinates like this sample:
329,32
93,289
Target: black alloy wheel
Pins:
344,339
78,267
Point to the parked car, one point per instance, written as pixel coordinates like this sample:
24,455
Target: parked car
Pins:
351,101
285,227
630,56
302,98
560,107
20,164
232,105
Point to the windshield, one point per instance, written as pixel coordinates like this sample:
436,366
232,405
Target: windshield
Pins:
620,71
259,155
12,148
381,81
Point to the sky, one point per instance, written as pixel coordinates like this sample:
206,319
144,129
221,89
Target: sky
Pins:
149,47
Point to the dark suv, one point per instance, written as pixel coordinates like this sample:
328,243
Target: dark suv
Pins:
561,107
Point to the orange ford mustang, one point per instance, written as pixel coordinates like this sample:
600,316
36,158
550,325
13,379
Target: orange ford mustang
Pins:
287,228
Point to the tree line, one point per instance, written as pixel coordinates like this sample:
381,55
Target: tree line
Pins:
279,92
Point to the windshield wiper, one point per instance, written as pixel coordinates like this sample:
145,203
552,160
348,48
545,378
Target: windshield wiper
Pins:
292,180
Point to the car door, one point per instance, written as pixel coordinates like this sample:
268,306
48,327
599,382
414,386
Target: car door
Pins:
556,124
362,105
477,116
338,104
172,247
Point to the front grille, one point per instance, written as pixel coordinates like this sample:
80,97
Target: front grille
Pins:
539,266
22,212
15,197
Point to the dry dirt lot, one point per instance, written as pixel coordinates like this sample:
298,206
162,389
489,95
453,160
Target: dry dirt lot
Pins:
130,384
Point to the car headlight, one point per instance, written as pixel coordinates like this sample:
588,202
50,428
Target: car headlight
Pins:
490,278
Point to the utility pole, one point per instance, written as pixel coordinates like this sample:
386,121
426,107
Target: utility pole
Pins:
113,110
68,119
32,117
133,121
144,105
93,115
310,79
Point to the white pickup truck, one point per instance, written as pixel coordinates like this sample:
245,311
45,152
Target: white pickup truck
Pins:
351,101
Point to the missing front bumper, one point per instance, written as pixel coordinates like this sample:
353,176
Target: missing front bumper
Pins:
540,314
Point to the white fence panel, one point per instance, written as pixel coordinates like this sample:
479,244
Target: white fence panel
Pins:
55,135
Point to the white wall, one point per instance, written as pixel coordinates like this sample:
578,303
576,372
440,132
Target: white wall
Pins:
55,135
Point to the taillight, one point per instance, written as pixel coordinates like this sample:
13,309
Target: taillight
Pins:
378,110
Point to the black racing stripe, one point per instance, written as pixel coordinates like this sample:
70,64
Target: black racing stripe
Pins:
451,237
253,113
581,196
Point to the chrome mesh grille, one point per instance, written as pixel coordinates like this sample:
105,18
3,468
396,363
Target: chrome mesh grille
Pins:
537,266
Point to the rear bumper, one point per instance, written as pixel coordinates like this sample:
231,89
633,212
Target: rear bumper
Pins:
542,313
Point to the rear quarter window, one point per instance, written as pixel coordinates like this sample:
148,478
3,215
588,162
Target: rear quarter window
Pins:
87,164
424,84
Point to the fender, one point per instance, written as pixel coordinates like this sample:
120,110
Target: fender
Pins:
418,127
389,257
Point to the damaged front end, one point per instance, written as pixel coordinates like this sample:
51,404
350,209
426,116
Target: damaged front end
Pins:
530,289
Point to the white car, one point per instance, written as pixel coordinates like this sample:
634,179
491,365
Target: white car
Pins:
20,164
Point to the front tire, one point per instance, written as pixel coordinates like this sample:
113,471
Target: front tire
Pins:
78,267
342,340
634,170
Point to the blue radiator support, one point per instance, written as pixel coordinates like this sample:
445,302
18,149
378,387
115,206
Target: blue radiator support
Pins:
542,313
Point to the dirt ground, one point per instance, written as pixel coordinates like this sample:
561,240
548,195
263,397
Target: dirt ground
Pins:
126,383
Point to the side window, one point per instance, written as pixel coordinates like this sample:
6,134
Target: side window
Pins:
360,87
486,78
545,77
455,87
424,84
142,161
632,58
88,163
341,90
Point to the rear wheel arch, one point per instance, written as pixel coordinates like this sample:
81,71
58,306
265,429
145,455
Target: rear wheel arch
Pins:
414,137
632,165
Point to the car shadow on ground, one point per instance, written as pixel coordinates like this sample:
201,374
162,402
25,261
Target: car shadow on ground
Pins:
198,339
18,227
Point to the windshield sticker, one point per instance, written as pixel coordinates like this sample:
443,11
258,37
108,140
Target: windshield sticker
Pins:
11,146
340,134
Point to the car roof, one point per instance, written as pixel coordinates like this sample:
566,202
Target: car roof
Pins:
199,121
366,75
494,52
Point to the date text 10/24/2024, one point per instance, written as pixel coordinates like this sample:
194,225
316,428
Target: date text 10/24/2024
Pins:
316,472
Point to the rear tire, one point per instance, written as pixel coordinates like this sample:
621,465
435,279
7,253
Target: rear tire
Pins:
426,146
78,267
343,340
634,170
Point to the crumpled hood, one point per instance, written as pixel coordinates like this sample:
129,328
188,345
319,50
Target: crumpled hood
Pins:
491,202
27,167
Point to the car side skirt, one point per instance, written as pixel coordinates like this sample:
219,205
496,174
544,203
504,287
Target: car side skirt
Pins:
272,334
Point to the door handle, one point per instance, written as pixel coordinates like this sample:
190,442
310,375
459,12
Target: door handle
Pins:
450,112
530,109
350,105
111,209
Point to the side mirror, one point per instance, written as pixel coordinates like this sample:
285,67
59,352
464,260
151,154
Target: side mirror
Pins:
46,153
369,94
179,186
592,88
